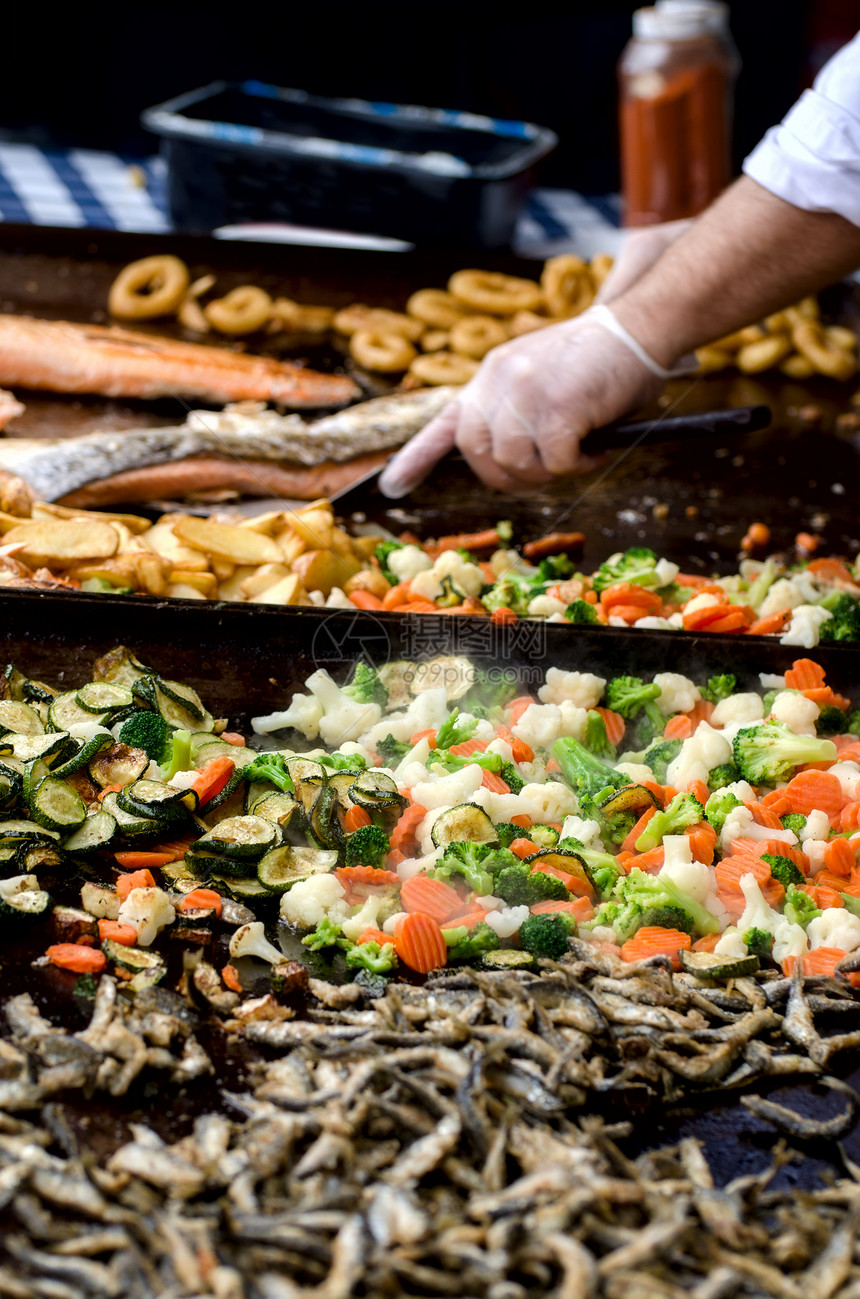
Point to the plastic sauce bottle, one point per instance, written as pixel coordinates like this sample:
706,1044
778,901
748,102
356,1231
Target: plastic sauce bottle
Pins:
677,79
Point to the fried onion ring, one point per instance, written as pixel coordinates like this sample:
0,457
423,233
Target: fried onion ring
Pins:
568,288
241,311
190,312
443,367
154,286
381,350
475,336
360,317
435,307
435,340
818,346
299,319
600,266
755,357
526,322
494,293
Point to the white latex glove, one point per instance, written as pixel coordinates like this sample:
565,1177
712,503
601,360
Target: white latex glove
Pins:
640,250
520,421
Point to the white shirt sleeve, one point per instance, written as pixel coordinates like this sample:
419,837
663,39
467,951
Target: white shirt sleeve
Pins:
812,159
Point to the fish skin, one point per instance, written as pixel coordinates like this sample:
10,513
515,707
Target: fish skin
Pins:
109,361
56,467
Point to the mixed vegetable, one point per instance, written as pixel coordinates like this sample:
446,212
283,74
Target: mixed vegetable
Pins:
447,819
478,573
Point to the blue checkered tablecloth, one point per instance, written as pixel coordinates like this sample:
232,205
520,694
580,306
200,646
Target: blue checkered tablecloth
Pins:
83,187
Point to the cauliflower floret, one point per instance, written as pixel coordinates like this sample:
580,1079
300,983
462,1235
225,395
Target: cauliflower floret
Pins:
581,688
343,718
817,827
698,756
501,807
87,730
484,730
665,571
704,601
744,709
553,800
338,599
796,711
782,595
365,918
489,902
601,934
815,850
694,877
587,832
464,576
415,865
788,940
408,563
449,790
507,920
503,749
636,772
678,694
805,626
502,561
848,775
731,943
390,924
835,927
427,585
543,606
652,623
304,714
757,914
741,789
426,712
308,901
736,826
574,720
540,725
149,910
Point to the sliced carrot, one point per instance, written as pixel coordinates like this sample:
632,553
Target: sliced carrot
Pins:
698,619
772,624
177,848
699,790
77,957
420,943
503,617
734,621
849,817
804,674
823,960
629,613
494,783
822,896
764,816
580,888
202,898
486,539
126,935
651,861
132,861
552,766
520,751
777,847
654,941
432,897
365,600
700,712
397,596
110,789
776,801
581,909
230,975
212,778
841,883
232,737
703,585
518,706
625,861
811,791
523,821
403,834
706,943
395,857
139,879
678,727
468,921
524,848
349,876
419,606
830,570
827,698
615,725
468,748
703,842
628,594
629,844
373,936
429,736
839,858
355,818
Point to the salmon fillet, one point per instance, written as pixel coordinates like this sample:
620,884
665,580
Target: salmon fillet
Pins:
209,473
113,362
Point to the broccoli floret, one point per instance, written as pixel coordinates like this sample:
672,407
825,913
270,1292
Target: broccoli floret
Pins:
392,751
614,827
794,821
381,554
273,768
453,762
640,894
512,778
831,721
547,934
799,908
178,757
718,777
367,846
505,529
476,862
469,943
147,731
509,592
630,697
767,701
718,807
489,692
853,727
659,756
758,942
553,568
326,934
635,565
770,752
584,773
451,732
596,740
372,957
580,612
545,836
343,761
683,811
719,687
508,832
365,686
605,878
783,869
844,625
519,886
666,917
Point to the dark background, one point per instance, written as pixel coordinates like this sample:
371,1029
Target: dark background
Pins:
80,75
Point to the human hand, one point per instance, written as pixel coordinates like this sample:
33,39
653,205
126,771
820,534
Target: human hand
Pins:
640,250
520,421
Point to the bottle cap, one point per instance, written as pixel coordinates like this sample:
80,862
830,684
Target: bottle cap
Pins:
661,24
714,12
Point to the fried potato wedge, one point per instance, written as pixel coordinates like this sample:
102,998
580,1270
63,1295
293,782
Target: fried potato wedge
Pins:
228,541
60,542
321,570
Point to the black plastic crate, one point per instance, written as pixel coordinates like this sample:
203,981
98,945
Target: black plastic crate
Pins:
252,152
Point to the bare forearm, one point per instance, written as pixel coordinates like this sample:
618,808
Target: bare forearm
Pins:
750,254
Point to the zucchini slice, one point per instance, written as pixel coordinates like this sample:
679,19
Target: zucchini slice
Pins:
21,897
85,754
38,854
9,791
397,678
153,798
564,860
507,958
65,711
376,789
632,798
128,823
57,806
135,959
342,782
180,706
14,832
280,869
324,823
467,821
240,888
185,697
34,774
53,749
179,876
121,667
223,796
207,864
104,697
276,807
304,769
244,837
20,719
96,832
308,791
456,676
118,765
709,965
212,747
